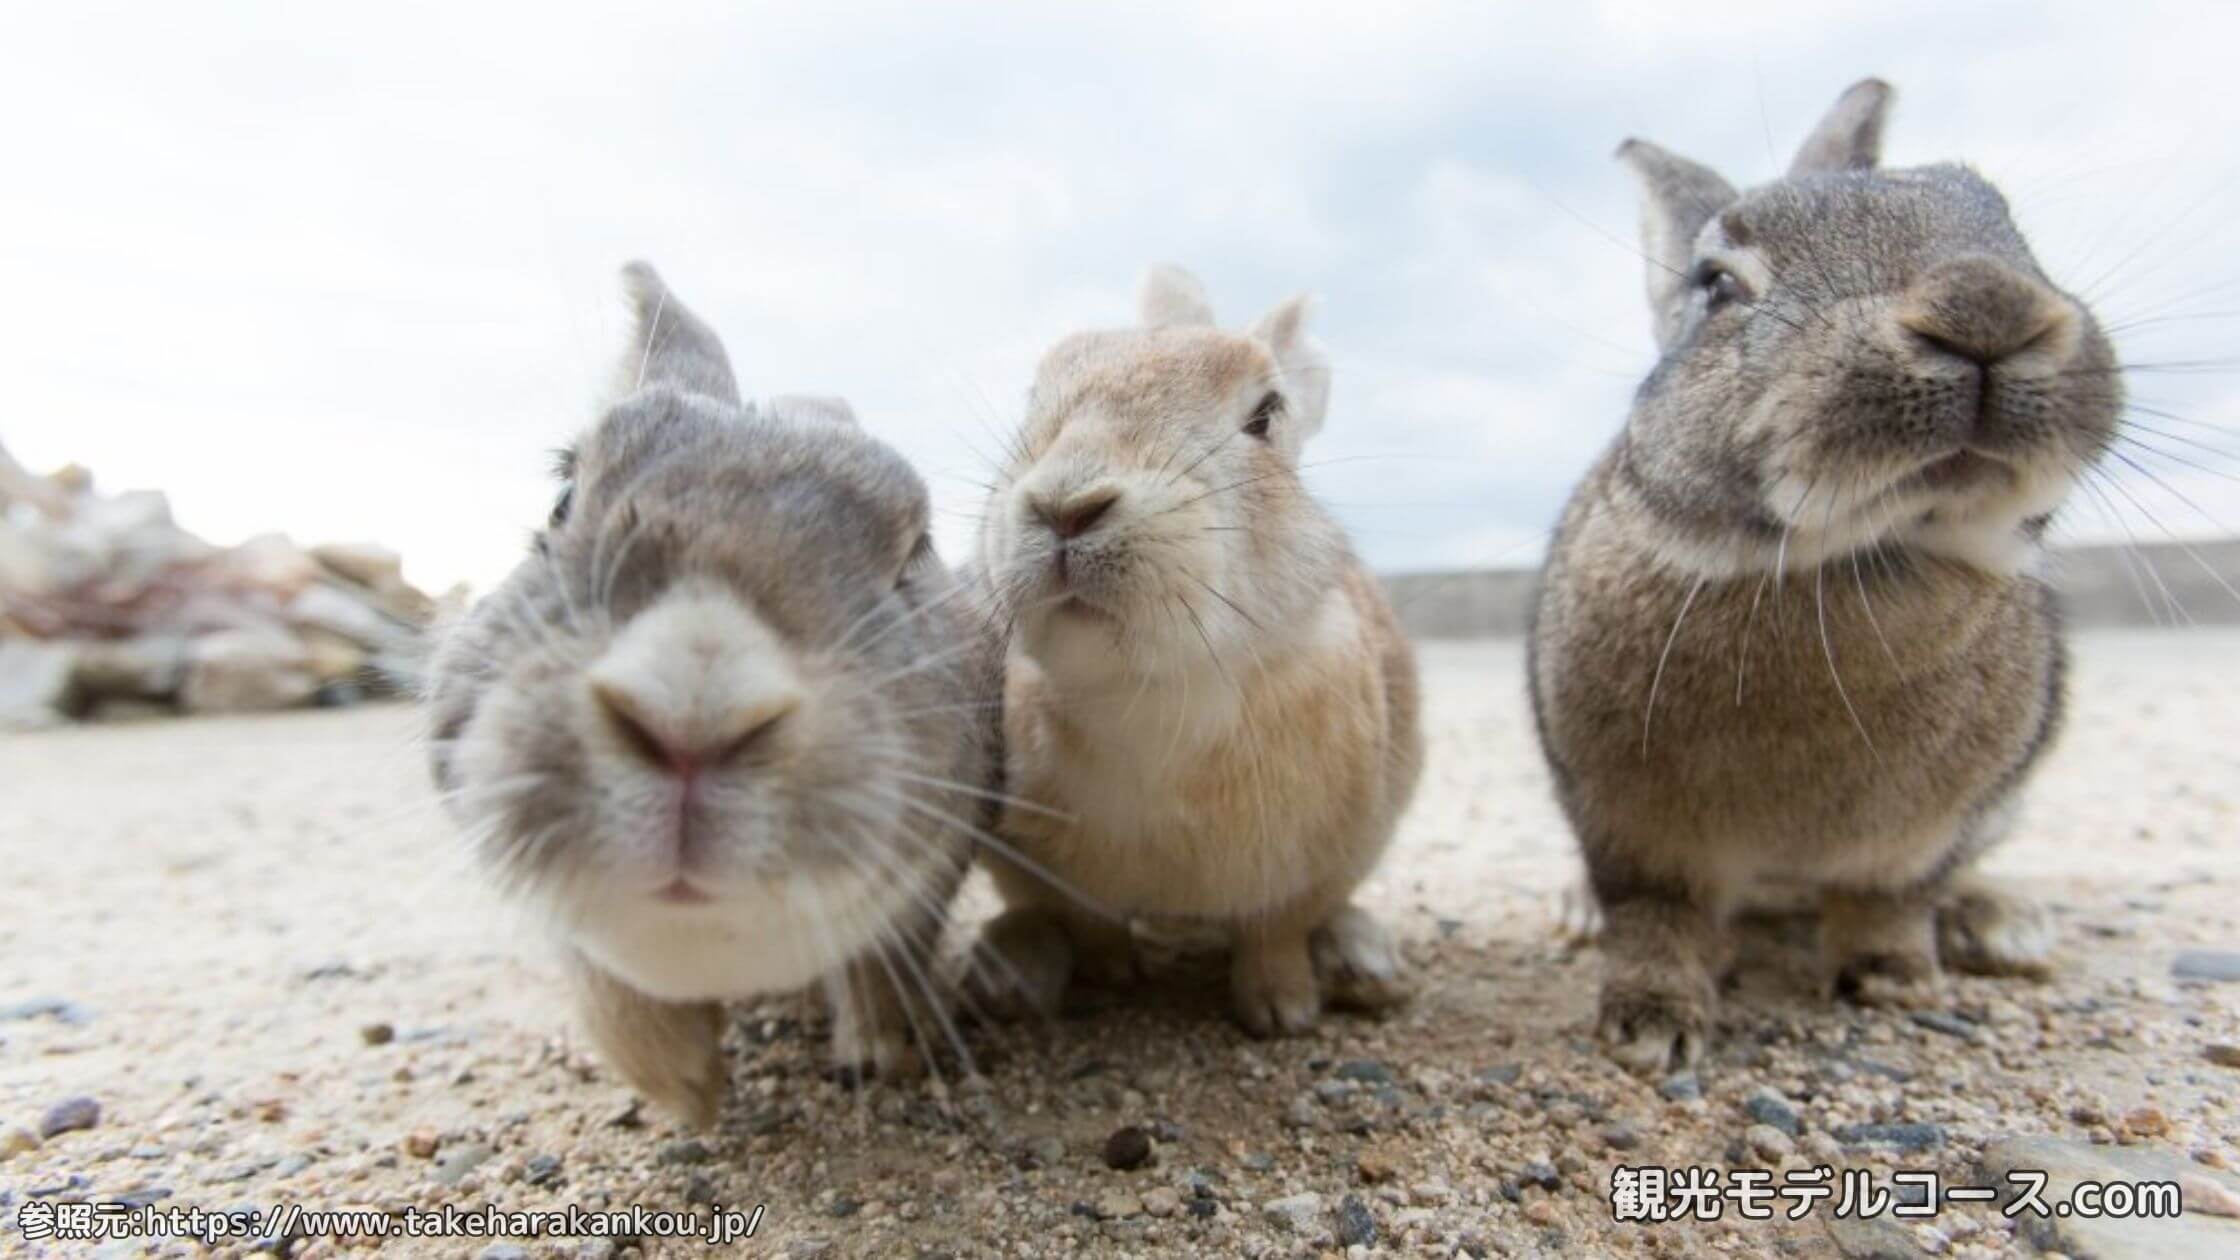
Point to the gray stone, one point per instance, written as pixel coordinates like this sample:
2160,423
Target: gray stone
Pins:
1501,1074
457,1161
1356,1227
1905,1137
2189,1236
1769,1109
149,667
1370,1071
37,684
503,1251
2206,964
1682,1088
69,1115
1872,1238
1298,1213
247,670
682,1151
63,1009
1948,1024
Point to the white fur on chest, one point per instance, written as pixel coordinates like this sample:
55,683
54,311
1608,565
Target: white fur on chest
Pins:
766,938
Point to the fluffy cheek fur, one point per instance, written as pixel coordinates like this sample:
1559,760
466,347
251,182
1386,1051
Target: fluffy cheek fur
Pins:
1836,442
1149,577
802,857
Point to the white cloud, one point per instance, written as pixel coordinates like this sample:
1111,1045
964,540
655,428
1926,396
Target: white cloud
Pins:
350,274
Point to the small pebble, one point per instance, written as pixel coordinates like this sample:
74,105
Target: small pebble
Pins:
377,1034
17,1140
1623,1136
1905,1137
682,1151
1769,1143
1767,1109
542,1169
1298,1213
1356,1227
1540,1173
420,1144
1682,1088
1127,1148
503,1251
2223,1054
2146,1121
2206,964
63,1009
1118,1206
1542,1212
1161,1201
457,1161
1949,1025
69,1115
1375,1167
698,1189
1369,1071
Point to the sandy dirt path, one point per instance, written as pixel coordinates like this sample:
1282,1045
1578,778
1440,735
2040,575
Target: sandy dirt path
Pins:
256,945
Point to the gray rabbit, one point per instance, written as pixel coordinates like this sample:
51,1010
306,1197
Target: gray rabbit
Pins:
1792,637
727,726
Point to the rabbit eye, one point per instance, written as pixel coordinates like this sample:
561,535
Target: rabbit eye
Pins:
1720,286
919,554
560,507
1264,415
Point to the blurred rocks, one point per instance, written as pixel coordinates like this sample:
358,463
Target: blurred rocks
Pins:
107,607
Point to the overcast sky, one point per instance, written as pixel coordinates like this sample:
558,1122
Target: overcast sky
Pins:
349,271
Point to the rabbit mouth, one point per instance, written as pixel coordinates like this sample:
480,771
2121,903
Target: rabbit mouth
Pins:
683,892
1962,469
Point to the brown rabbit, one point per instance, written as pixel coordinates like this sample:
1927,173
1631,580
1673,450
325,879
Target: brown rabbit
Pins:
1792,637
1207,697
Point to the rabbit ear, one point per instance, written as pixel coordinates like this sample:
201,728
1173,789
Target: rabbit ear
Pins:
1306,369
1850,137
1172,296
1678,198
670,345
813,409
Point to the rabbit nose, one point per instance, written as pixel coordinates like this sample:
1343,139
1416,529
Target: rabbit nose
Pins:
694,681
683,743
1077,514
1982,310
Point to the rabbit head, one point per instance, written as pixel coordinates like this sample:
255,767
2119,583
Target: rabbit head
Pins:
1853,357
1151,517
711,723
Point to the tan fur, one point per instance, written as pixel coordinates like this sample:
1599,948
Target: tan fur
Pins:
1231,733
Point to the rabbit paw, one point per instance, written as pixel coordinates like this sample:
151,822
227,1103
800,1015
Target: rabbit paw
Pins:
1272,986
1990,932
1357,962
1653,1025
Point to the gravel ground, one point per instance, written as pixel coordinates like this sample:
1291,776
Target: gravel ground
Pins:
254,945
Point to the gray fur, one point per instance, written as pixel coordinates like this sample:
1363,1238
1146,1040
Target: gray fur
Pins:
1788,634
820,532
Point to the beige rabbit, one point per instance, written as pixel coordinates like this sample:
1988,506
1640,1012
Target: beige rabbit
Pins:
1207,699
1792,638
726,727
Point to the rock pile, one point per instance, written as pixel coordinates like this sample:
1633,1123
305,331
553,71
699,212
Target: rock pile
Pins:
108,608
